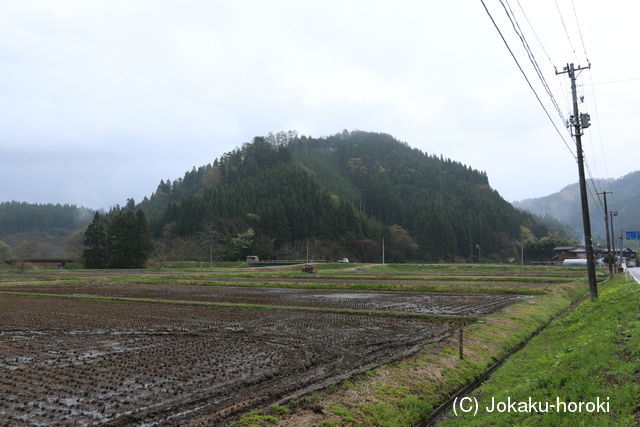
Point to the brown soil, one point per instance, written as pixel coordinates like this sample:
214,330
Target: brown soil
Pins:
83,362
417,302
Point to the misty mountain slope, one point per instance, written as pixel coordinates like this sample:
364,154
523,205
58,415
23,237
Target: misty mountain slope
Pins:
40,230
565,205
21,217
347,191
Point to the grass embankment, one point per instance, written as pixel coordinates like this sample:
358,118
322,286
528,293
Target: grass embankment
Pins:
593,352
406,392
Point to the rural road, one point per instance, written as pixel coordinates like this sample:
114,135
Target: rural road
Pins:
635,272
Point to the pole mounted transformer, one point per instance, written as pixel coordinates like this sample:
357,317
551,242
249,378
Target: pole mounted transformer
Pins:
576,123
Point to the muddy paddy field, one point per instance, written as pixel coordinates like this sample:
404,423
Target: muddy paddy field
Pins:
85,347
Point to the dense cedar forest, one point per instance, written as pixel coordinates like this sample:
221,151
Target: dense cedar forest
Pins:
21,217
341,195
41,230
119,239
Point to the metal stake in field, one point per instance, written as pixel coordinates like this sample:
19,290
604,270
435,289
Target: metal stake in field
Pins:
578,122
460,344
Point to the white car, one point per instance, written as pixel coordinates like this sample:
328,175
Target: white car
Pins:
345,260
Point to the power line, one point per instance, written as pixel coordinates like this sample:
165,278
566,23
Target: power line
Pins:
518,30
591,181
560,81
535,34
579,122
595,105
532,58
579,31
598,125
593,151
527,79
565,31
614,81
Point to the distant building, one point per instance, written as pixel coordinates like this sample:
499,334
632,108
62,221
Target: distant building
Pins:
630,257
560,253
252,259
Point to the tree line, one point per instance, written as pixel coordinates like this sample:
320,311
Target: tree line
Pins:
119,239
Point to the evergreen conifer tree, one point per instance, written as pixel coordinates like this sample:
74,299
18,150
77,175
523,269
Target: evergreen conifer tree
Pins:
96,242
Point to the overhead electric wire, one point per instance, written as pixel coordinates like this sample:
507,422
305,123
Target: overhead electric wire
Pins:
573,5
615,81
561,83
607,182
566,31
591,180
593,151
530,54
592,185
527,78
535,34
598,125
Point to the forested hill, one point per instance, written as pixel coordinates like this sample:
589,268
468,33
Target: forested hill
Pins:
21,217
565,206
344,193
41,230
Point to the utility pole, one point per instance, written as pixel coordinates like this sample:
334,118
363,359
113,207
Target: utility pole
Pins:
383,251
522,251
579,122
613,238
606,226
621,246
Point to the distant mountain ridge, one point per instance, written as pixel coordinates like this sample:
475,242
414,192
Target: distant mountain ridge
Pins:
565,206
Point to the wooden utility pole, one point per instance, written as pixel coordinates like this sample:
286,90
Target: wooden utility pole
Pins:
621,246
606,226
613,239
578,122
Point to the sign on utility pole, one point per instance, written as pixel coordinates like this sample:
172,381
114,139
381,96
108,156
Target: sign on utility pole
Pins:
577,122
632,235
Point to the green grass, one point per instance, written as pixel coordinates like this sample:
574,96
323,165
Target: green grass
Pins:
279,410
255,419
345,415
593,352
406,392
363,285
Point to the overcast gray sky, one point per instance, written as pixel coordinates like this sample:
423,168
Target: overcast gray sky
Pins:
99,100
